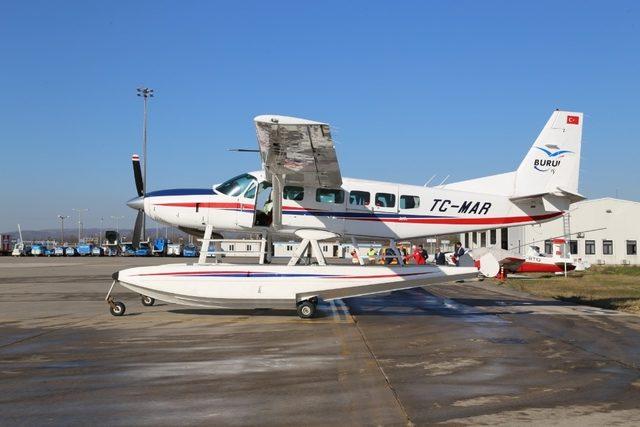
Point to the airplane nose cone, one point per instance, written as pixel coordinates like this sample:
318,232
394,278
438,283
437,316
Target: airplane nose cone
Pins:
136,203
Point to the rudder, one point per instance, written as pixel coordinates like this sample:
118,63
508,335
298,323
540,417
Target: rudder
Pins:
553,162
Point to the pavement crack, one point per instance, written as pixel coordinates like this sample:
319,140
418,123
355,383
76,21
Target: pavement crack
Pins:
386,378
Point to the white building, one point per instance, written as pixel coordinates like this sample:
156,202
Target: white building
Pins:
604,231
329,249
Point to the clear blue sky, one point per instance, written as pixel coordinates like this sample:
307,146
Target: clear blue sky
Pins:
410,88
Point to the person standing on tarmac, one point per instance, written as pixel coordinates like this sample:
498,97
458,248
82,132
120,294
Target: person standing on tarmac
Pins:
371,254
439,257
423,251
458,252
419,255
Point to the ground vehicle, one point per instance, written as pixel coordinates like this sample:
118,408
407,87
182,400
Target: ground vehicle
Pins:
143,249
84,249
20,249
49,251
111,250
70,251
127,249
174,249
97,251
160,247
38,249
59,251
190,250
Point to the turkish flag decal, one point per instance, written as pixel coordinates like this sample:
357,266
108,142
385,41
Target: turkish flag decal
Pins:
573,120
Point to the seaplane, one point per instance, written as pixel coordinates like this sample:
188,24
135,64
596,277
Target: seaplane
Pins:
300,193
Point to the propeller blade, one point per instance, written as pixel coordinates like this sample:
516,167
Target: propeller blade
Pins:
243,150
137,230
137,174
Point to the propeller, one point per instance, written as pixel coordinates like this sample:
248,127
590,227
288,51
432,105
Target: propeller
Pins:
137,229
243,150
137,174
137,203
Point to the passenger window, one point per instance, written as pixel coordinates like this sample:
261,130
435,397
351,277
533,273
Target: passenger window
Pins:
293,193
359,198
385,200
251,192
325,195
409,202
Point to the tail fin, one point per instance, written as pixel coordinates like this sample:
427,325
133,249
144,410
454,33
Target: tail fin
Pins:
552,165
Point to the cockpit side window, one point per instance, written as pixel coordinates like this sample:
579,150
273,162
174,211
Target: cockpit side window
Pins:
251,192
236,186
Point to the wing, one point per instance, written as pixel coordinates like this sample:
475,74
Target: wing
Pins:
297,151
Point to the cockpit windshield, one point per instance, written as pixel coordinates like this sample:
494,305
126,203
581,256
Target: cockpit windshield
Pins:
236,186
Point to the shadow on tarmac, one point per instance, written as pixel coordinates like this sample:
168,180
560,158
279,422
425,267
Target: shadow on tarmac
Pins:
240,312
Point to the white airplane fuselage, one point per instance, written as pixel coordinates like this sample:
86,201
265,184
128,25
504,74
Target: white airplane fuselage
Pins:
392,211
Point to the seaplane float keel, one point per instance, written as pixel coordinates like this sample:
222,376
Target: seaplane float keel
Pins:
301,193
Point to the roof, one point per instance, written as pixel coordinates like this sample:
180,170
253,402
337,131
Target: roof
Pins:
605,199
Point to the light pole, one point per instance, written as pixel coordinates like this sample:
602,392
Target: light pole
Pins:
100,235
80,210
116,219
62,218
145,93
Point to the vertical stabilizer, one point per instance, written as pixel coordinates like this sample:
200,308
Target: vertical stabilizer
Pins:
553,162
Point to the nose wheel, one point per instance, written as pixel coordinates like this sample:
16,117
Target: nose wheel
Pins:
116,308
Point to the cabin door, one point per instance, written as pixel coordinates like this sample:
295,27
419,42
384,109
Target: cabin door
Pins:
246,206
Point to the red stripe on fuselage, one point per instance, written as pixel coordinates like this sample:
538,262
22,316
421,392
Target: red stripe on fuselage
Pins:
466,221
216,205
400,219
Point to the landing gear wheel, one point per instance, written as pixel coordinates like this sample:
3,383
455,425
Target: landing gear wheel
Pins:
147,301
117,309
306,310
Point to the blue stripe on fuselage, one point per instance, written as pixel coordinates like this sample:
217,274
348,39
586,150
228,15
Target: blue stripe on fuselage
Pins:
359,214
180,192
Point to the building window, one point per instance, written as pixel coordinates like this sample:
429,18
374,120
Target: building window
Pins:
325,195
325,248
409,202
548,247
289,192
589,247
504,238
632,247
607,247
385,200
573,247
248,248
289,247
359,198
232,248
493,237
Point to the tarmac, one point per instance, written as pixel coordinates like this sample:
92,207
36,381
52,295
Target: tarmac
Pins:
456,354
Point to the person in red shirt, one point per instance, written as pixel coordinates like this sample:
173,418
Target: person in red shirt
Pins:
418,255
